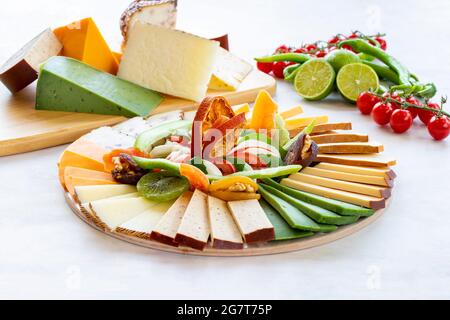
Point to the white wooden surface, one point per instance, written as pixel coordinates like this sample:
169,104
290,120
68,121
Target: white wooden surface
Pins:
46,252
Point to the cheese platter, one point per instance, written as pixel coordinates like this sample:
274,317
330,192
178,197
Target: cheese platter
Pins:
82,84
179,182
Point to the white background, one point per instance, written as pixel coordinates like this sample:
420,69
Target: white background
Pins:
47,252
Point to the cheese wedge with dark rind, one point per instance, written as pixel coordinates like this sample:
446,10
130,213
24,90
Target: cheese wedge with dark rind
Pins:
350,147
339,138
354,198
224,231
166,229
66,84
194,230
252,221
22,68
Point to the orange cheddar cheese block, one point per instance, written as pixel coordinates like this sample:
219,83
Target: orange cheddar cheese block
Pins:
81,154
83,41
73,181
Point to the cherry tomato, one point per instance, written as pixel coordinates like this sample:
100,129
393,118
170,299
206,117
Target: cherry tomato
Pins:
401,120
394,96
283,49
278,68
321,54
414,101
382,42
381,113
439,127
300,50
425,115
333,40
265,67
347,47
353,36
311,47
366,101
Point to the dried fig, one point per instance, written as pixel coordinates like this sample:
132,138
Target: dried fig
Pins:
126,170
303,152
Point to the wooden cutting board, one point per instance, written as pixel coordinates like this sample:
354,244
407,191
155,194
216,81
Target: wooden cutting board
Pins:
24,129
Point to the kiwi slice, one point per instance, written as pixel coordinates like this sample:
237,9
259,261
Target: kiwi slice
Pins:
162,186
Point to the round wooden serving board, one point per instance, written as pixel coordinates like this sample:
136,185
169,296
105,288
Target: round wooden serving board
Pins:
253,250
25,129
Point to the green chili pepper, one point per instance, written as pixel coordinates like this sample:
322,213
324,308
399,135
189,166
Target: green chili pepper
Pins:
383,72
163,164
292,57
290,72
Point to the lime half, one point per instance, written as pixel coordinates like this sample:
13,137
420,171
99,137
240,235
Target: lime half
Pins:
314,79
355,78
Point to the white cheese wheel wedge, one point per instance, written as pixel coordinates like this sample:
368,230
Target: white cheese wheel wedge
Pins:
110,139
151,59
114,212
142,225
92,193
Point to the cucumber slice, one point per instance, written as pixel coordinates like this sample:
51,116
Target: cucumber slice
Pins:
326,228
294,217
340,207
316,213
282,230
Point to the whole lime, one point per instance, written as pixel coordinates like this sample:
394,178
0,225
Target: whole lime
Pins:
339,58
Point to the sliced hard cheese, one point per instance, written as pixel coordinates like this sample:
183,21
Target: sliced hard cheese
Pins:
83,41
69,85
354,198
194,228
325,127
368,160
22,68
292,112
110,139
252,221
229,71
351,147
82,154
241,108
295,123
152,60
339,137
345,176
75,181
87,210
114,212
142,225
386,172
162,13
224,231
360,188
86,194
84,173
166,229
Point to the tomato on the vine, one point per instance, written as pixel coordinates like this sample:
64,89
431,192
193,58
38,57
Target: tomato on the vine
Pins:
321,54
278,69
300,50
425,115
394,96
265,67
401,120
439,127
353,36
334,40
283,49
414,101
311,47
382,112
382,42
366,101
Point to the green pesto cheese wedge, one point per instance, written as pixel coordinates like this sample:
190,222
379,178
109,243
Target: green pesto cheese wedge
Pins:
294,217
67,84
316,213
282,230
340,207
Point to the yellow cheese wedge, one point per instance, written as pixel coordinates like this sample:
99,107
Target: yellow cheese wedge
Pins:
194,228
241,108
292,112
87,210
166,229
385,172
224,231
252,221
339,138
86,194
370,190
295,123
75,181
325,127
354,198
351,147
142,225
83,41
81,154
114,212
367,160
345,176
